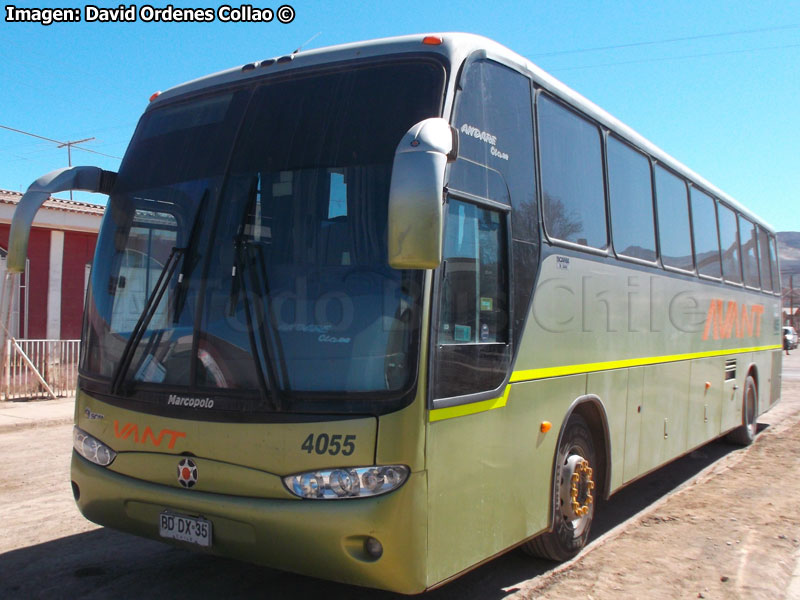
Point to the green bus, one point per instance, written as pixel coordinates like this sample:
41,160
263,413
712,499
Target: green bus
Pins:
380,312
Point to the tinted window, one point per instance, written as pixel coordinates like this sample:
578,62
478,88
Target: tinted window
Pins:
493,117
265,210
474,305
729,240
673,220
763,253
773,259
572,176
749,244
472,352
706,241
631,198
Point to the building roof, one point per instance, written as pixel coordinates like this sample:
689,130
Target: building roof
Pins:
72,206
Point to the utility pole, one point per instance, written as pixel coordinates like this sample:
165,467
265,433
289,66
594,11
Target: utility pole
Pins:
69,146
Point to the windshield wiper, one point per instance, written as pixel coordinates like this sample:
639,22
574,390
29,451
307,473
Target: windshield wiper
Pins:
265,345
150,307
188,264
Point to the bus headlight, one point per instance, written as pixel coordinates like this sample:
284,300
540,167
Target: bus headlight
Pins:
349,482
91,448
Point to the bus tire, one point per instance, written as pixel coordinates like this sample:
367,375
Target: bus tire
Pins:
573,497
746,432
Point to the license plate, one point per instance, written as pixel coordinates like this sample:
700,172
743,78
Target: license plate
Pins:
186,529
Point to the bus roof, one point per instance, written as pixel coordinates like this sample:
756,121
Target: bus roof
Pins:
455,47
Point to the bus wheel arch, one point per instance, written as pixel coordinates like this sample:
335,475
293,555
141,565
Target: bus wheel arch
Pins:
578,478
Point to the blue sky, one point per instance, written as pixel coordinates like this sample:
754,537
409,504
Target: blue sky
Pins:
725,101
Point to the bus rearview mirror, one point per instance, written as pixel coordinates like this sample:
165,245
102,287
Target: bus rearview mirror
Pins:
87,179
416,194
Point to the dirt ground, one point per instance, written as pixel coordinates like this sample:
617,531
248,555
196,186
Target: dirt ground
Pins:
731,532
734,532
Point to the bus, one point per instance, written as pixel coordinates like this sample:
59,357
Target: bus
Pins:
380,312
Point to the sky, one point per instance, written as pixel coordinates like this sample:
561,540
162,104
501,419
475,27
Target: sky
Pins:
714,84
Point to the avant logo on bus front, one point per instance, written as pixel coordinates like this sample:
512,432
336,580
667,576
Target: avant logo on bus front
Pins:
147,436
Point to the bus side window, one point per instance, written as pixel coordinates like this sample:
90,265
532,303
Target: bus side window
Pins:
631,198
674,230
773,259
706,238
749,244
570,153
729,239
474,304
491,202
763,257
472,327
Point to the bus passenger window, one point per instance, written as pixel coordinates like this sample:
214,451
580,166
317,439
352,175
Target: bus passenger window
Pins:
763,256
706,239
572,176
473,293
773,259
674,232
749,244
631,197
729,238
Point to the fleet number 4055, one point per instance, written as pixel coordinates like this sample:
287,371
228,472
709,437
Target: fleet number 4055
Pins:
322,443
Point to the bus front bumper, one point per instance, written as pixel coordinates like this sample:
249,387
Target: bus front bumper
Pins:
320,538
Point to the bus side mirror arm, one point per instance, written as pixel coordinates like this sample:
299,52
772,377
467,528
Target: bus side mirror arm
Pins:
416,194
87,179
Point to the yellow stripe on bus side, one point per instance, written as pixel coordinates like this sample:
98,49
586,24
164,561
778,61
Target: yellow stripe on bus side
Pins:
532,374
462,410
439,414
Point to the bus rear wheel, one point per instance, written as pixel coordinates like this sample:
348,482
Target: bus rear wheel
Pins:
573,495
746,432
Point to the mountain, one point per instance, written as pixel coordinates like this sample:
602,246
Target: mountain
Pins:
789,255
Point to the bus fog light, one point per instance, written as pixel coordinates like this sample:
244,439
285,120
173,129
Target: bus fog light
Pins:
91,448
373,547
358,482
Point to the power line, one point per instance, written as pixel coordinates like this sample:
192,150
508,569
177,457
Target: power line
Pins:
666,58
61,144
67,145
666,41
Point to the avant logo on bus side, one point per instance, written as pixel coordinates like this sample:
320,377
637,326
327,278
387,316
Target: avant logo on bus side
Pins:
147,436
722,322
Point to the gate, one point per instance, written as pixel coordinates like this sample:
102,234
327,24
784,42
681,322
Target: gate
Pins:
40,369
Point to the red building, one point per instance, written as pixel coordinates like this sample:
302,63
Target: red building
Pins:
61,247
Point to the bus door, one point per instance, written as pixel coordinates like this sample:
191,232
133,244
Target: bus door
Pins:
490,238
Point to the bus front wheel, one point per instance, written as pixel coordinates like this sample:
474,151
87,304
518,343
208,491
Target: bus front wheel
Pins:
574,495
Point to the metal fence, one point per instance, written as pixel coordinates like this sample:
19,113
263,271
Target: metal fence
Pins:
40,369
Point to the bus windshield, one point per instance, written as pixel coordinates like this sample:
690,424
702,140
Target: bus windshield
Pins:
243,251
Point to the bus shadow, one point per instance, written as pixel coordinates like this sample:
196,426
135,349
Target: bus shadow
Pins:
103,563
